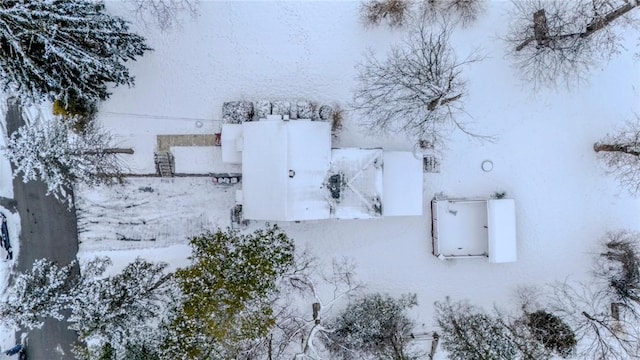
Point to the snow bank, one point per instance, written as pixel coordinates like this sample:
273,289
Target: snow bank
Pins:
542,155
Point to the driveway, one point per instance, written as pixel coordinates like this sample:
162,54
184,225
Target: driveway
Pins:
49,230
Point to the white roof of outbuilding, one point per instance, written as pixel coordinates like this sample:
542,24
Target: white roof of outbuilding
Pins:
501,222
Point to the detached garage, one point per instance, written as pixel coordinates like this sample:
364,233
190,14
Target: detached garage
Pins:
463,228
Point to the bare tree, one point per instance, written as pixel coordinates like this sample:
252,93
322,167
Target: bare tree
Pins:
418,90
394,12
619,266
398,12
588,310
621,154
556,41
163,13
463,12
298,331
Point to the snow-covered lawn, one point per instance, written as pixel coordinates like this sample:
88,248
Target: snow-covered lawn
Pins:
542,154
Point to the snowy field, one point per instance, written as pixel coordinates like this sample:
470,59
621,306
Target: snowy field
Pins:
542,155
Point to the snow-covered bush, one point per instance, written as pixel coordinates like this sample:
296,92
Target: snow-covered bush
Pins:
304,109
63,50
375,325
325,112
262,109
553,333
50,151
281,107
468,333
236,112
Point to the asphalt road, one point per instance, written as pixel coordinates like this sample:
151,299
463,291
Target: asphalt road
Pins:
49,230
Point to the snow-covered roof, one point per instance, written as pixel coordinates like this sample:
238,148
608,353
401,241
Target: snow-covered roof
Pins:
402,183
284,164
290,173
357,188
501,221
231,142
472,228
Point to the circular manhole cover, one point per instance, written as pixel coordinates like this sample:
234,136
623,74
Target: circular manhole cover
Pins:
487,165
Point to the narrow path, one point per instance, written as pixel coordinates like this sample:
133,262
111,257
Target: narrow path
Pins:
49,230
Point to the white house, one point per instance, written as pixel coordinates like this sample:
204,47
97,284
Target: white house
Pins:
290,173
464,228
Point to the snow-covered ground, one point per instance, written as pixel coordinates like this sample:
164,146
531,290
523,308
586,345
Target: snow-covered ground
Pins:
542,155
7,336
288,50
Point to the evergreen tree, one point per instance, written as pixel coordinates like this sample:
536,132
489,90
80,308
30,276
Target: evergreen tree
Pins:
116,316
116,310
228,293
64,49
50,151
467,333
37,294
375,325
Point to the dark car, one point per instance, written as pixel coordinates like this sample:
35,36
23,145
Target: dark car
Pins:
4,232
18,349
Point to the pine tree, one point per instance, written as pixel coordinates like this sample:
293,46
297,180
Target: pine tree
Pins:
37,294
228,293
50,151
64,49
116,310
115,316
376,325
467,333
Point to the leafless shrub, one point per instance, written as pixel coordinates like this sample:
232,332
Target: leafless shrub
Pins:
337,119
297,331
463,12
621,155
394,12
559,41
417,90
587,309
163,13
619,267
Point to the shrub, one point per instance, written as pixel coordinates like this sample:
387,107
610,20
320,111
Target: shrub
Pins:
337,118
461,11
393,11
376,325
78,111
552,332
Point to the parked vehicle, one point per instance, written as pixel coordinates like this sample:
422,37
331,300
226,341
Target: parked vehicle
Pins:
4,233
18,349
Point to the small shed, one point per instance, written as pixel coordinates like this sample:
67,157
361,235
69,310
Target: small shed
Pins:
471,228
